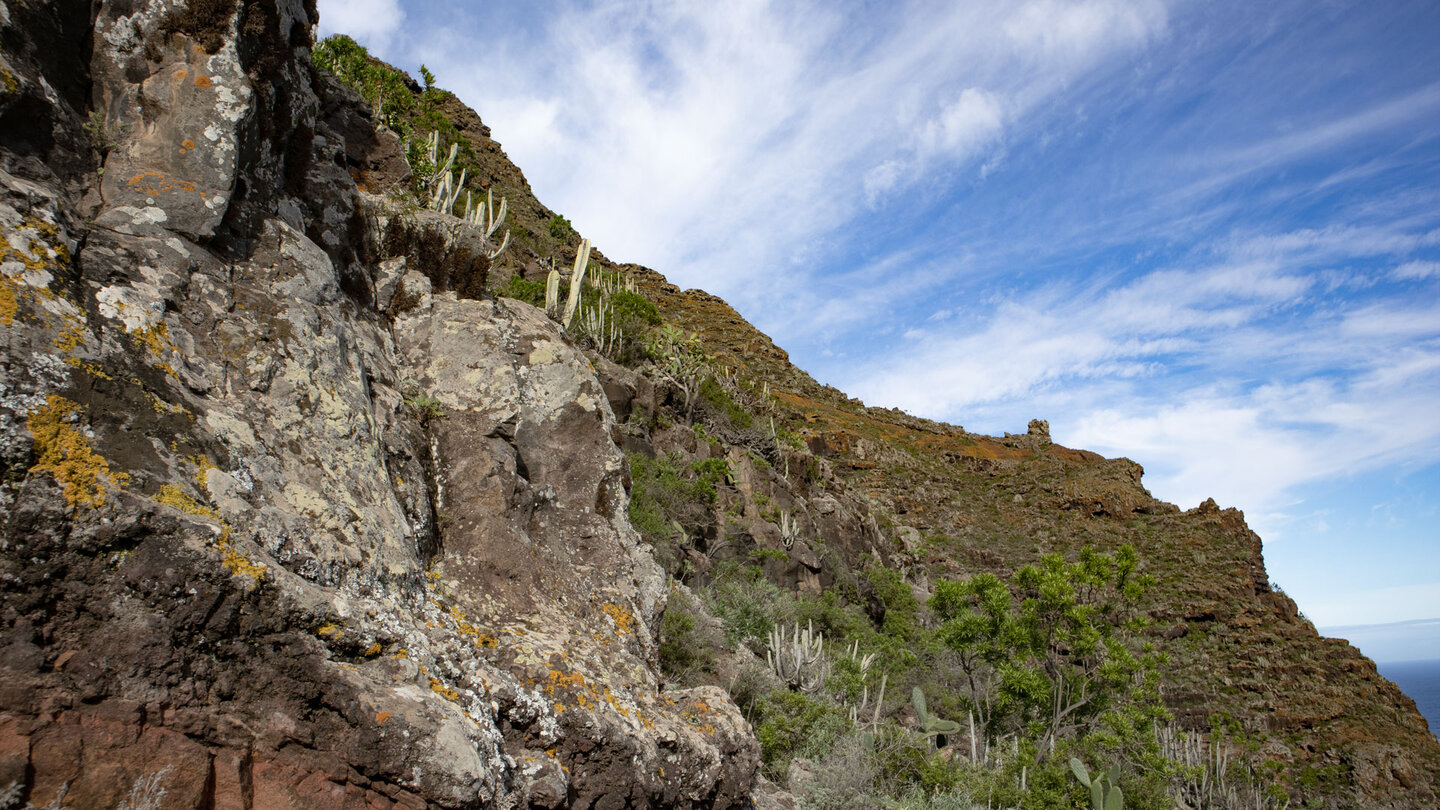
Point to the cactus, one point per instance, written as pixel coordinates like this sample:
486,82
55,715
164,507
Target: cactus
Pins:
800,660
789,528
1105,794
930,725
577,278
859,712
486,218
552,292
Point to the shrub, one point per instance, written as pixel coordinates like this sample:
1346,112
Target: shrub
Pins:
531,292
687,648
722,403
561,229
746,602
794,724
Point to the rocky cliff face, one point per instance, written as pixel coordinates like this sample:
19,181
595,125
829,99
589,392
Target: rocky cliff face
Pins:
285,525
297,515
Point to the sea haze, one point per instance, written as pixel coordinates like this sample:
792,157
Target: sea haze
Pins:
1421,681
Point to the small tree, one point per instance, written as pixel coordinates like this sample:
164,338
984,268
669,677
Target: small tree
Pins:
1049,653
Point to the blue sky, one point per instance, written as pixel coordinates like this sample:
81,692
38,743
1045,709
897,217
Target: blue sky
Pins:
1202,235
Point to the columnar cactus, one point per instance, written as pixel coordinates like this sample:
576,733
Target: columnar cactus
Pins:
487,219
799,660
577,277
552,292
789,528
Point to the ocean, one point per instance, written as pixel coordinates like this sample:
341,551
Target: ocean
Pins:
1421,681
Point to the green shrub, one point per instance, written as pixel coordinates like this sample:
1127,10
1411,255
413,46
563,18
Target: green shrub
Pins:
720,400
795,724
746,602
561,229
531,292
686,651
897,601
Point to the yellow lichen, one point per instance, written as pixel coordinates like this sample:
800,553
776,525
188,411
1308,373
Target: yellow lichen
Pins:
9,305
444,691
176,498
89,368
329,630
202,473
624,622
68,456
235,562
373,650
72,338
238,563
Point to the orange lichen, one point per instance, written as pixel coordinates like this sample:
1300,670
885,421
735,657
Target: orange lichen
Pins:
9,305
176,498
68,456
700,715
624,622
444,691
202,81
157,183
381,717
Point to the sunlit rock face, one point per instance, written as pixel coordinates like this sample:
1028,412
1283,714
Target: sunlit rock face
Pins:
286,524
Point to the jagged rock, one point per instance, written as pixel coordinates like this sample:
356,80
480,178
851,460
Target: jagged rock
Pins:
1039,429
269,547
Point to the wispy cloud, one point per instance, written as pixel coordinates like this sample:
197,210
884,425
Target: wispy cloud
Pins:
1240,380
724,144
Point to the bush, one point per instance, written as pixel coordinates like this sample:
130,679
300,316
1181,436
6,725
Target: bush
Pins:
562,230
687,648
746,602
531,292
722,403
794,724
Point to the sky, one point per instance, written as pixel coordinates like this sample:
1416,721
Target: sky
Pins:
1201,235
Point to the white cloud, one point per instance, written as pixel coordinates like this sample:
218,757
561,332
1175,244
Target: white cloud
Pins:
1416,271
964,126
723,144
1238,381
372,23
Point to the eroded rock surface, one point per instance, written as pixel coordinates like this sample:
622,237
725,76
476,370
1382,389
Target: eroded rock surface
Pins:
268,540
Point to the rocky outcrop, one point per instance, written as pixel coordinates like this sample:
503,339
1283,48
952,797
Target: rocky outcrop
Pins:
266,541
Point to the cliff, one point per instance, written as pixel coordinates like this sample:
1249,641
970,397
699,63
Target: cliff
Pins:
298,512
